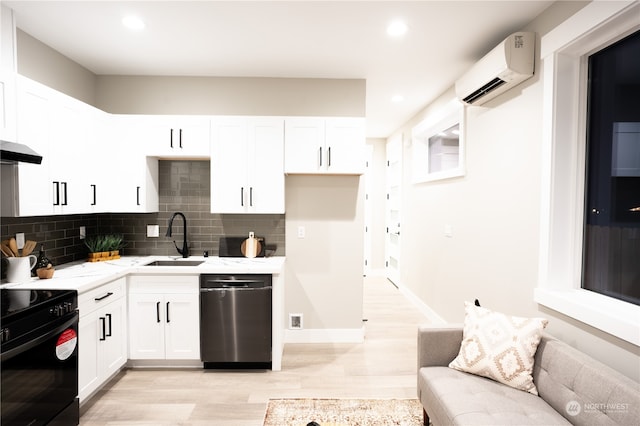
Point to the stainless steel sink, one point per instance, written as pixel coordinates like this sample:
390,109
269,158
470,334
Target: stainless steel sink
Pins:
175,263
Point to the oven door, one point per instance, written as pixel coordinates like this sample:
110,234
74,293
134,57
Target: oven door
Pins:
40,376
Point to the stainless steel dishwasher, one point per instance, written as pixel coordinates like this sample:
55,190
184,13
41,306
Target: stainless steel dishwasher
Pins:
235,320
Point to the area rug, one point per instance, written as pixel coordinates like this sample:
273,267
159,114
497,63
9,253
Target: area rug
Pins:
343,412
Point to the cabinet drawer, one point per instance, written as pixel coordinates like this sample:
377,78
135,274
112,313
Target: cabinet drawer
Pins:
101,296
164,284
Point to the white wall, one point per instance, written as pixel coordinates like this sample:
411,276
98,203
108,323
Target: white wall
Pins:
494,211
324,269
39,62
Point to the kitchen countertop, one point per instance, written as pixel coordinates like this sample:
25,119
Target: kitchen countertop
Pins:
84,276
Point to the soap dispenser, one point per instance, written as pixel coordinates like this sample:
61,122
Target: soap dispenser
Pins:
43,261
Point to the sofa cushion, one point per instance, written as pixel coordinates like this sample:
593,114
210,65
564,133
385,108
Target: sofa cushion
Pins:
452,397
582,389
499,346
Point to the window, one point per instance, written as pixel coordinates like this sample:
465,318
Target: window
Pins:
438,148
564,52
612,209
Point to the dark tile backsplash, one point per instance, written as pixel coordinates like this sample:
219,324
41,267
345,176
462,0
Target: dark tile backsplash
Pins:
183,186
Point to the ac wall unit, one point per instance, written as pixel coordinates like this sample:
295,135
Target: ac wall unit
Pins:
507,65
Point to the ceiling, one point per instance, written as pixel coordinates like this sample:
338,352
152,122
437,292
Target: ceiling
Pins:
293,39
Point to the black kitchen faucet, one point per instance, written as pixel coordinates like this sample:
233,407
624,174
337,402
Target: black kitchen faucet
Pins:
185,248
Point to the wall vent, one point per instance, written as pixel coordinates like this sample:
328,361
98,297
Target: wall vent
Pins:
295,321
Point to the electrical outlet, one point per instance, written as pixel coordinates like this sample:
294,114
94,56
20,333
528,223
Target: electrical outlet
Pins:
20,240
301,232
153,231
83,232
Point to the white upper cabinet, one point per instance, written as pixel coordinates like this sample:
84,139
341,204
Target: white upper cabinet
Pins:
8,106
35,192
136,174
176,136
324,145
247,165
61,130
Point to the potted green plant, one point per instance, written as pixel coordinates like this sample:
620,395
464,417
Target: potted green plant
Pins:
96,246
104,247
113,244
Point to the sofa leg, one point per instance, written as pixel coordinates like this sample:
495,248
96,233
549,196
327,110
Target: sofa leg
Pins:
425,418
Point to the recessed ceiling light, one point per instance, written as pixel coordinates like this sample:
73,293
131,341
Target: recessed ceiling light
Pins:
397,98
133,23
397,28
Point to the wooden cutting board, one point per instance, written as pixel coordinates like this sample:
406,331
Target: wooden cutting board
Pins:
251,247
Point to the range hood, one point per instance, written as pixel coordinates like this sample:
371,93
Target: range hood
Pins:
16,152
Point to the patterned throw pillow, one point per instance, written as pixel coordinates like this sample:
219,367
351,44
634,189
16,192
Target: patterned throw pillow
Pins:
499,347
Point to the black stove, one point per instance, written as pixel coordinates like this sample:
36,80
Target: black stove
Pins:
39,354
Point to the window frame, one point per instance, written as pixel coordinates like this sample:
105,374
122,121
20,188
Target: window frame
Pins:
448,116
564,52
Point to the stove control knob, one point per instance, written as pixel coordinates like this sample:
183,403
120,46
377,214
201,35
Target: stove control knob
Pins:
5,335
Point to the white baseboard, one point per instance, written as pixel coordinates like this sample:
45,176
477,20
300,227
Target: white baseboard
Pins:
423,307
164,363
321,335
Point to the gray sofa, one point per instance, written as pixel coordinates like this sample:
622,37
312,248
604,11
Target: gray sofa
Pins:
573,388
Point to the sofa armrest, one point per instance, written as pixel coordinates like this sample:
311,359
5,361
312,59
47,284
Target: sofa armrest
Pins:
438,345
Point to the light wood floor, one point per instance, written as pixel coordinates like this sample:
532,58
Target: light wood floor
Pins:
384,366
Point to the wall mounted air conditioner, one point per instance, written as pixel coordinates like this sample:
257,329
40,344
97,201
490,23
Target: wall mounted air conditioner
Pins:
507,65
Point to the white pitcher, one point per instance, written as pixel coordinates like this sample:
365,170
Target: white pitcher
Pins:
20,268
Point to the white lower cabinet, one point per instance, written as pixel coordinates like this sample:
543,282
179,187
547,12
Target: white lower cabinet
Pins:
164,317
103,335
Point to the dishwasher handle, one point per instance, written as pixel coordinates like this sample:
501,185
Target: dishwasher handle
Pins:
226,283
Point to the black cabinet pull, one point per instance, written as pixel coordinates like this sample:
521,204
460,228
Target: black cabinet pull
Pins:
97,299
171,138
64,185
242,196
329,157
180,140
104,332
158,312
251,196
109,317
56,193
320,156
137,195
168,320
93,187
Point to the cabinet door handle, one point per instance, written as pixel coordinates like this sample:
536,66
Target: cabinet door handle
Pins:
329,157
97,299
104,331
158,312
109,317
168,320
320,156
93,187
56,193
64,186
242,196
251,196
137,195
171,138
180,138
